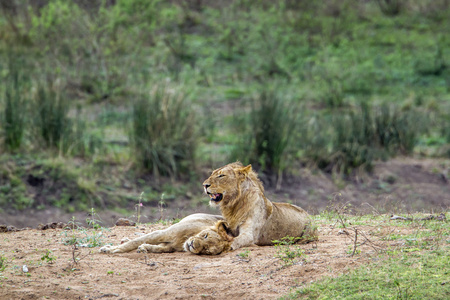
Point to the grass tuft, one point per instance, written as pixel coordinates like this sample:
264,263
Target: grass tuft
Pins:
163,133
267,132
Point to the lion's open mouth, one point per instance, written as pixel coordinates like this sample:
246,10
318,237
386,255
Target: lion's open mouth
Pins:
216,197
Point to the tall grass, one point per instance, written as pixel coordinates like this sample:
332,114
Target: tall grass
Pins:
14,113
52,121
100,49
42,120
355,138
396,130
163,133
267,132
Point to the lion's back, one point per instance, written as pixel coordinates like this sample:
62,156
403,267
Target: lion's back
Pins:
287,220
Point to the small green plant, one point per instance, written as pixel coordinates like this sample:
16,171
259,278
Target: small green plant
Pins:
70,236
48,257
3,263
244,254
161,204
138,207
92,221
287,252
76,236
353,249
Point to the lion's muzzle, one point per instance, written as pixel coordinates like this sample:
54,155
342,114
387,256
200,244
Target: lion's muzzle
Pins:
215,197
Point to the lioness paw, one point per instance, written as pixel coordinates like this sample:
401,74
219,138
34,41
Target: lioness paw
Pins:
142,249
105,249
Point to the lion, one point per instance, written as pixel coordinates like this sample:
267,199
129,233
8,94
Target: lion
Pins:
215,239
210,228
250,216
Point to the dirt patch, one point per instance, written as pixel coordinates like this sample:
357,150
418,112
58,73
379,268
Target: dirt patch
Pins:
255,274
404,185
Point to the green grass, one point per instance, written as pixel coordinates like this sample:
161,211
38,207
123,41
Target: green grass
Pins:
411,275
266,132
3,263
163,133
417,268
287,252
81,68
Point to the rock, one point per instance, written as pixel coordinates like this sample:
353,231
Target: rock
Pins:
125,222
441,217
52,225
395,217
5,228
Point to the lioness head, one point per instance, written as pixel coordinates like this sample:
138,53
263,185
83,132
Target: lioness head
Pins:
212,241
224,183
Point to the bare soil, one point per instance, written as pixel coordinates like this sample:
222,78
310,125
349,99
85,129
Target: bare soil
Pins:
249,273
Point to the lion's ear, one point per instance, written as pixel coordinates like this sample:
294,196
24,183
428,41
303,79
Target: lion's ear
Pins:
224,231
245,170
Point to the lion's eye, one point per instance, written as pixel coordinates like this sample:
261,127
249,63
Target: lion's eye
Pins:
206,236
221,175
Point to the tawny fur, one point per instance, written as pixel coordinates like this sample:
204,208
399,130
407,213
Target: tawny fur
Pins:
246,209
214,240
172,239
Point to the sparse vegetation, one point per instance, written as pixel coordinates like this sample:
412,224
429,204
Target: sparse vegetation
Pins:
138,208
287,251
76,237
48,257
416,268
3,263
244,254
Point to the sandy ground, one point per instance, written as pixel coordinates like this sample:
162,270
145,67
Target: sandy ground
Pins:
260,275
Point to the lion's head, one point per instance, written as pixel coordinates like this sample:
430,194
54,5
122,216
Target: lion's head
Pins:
211,241
224,184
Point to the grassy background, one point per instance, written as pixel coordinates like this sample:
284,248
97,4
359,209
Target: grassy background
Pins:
98,95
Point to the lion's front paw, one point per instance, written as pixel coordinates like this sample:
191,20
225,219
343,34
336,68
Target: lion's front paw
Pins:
142,248
105,249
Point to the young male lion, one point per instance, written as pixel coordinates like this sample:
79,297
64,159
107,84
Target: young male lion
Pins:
174,237
240,195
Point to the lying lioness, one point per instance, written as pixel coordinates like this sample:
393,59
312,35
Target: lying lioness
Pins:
249,214
210,229
213,240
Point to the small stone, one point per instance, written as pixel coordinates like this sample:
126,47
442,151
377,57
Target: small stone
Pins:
124,222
